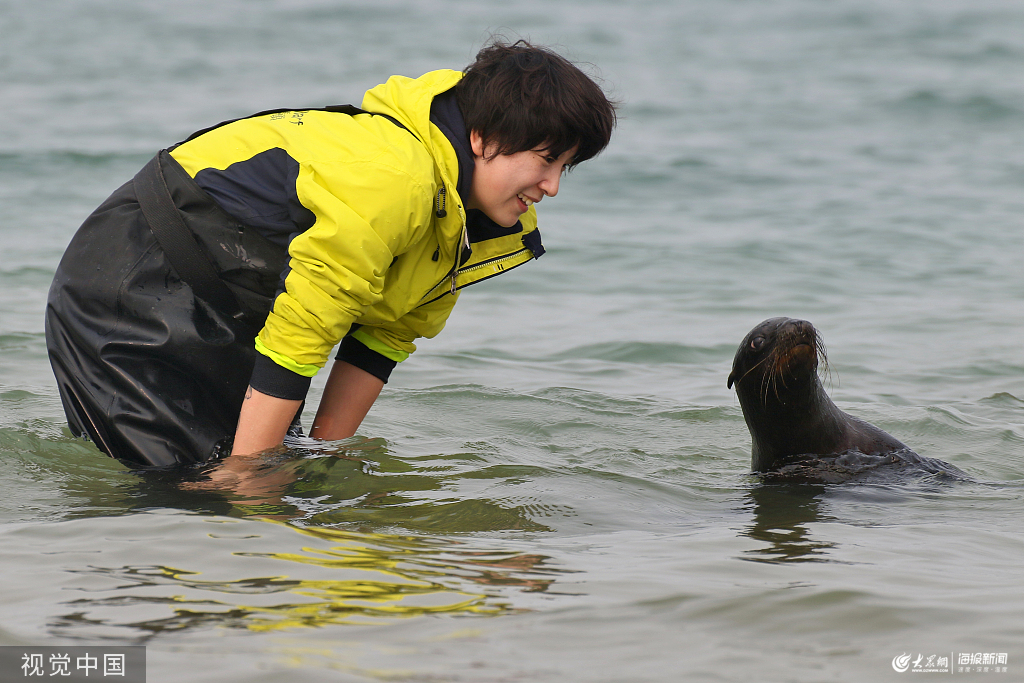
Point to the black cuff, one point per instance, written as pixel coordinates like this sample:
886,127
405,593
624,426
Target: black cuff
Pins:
270,378
354,352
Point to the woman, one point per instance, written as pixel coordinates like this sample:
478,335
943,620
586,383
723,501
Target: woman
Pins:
300,229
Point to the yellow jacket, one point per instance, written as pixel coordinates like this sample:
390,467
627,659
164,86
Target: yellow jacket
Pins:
386,222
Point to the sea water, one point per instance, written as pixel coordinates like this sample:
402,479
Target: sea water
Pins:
557,487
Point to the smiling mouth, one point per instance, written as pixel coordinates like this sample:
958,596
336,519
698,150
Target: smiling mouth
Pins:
525,200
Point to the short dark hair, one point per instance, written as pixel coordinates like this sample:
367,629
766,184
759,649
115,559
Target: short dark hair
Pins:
520,97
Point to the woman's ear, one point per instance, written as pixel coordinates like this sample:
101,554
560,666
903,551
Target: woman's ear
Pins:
476,142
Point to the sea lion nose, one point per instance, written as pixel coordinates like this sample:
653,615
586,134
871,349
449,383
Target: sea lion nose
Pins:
797,330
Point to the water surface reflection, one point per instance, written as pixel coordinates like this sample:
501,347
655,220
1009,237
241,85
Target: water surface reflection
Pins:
332,577
782,513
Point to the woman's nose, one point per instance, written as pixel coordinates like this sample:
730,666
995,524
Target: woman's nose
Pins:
549,185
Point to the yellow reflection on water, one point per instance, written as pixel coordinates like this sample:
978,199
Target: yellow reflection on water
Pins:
387,577
355,578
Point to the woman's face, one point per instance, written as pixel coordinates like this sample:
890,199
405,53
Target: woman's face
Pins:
505,185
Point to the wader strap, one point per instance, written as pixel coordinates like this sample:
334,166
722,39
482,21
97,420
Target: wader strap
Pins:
179,244
349,109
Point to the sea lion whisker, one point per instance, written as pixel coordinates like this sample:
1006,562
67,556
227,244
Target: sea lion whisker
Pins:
780,363
766,378
775,381
752,368
765,384
772,378
823,365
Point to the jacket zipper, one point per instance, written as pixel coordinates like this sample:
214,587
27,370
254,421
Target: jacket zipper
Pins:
464,244
439,202
496,259
475,266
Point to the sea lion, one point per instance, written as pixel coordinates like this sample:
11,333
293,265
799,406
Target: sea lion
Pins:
795,428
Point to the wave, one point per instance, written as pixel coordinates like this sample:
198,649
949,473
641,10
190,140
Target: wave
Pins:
979,108
637,352
41,159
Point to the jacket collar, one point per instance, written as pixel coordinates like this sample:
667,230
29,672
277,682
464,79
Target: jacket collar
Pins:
409,100
446,115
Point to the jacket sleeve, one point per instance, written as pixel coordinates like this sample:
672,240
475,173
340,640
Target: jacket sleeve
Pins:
366,214
394,340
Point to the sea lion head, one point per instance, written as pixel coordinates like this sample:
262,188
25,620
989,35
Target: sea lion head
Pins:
778,354
792,421
784,405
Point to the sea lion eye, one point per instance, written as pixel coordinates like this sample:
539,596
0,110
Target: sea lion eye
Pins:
756,343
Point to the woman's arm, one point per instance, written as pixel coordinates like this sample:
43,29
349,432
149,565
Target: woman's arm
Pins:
348,396
263,422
